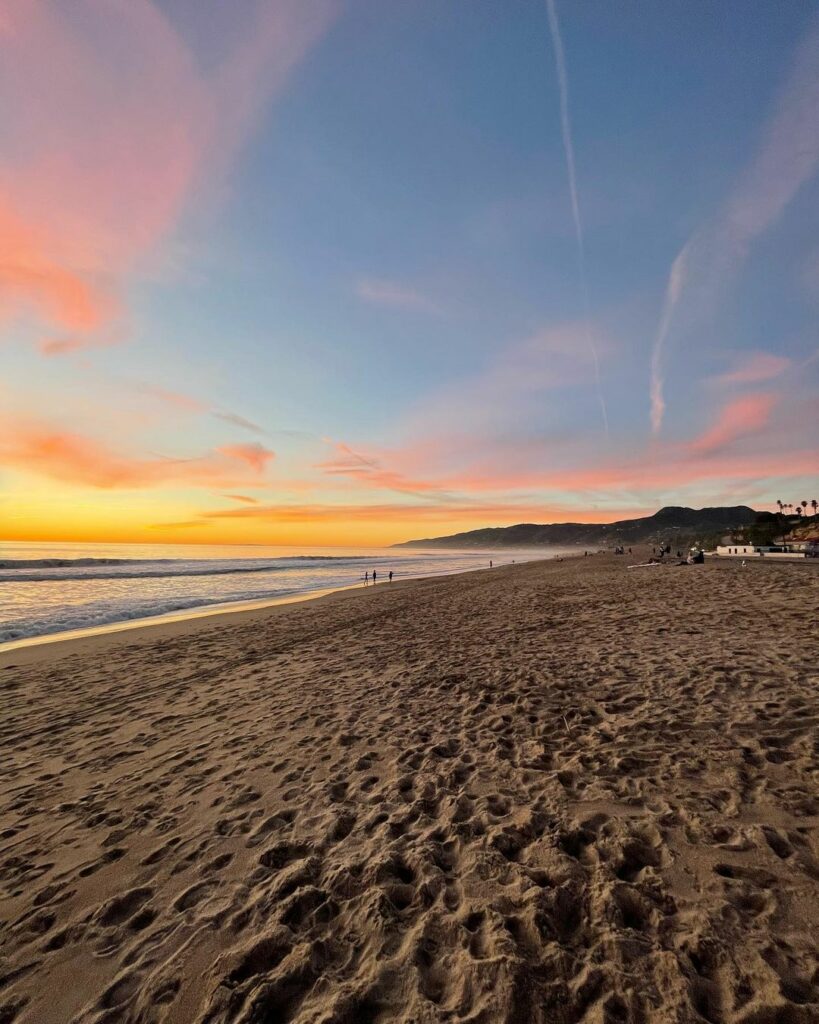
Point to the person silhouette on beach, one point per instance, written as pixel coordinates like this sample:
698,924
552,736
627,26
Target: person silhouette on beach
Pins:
490,563
390,575
366,577
375,576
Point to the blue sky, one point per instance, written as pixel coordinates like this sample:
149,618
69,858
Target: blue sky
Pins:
350,224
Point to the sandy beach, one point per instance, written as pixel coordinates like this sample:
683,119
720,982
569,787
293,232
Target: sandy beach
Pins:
555,792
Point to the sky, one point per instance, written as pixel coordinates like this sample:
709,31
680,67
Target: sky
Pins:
360,271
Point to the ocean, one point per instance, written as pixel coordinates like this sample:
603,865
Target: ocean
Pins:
53,588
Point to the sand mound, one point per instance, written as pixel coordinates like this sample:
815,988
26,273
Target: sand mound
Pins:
551,793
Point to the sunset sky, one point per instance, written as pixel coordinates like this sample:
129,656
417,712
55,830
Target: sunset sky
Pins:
356,271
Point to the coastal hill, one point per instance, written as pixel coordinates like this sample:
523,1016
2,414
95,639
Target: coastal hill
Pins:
673,524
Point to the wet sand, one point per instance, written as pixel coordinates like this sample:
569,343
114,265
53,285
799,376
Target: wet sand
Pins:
553,792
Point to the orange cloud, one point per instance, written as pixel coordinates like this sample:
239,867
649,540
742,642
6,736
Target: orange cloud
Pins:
244,498
485,514
113,128
43,449
184,524
254,455
31,278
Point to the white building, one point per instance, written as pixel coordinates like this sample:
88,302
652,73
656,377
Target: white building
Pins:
756,551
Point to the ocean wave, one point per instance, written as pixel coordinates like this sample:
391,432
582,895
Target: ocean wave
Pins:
80,563
146,573
53,570
59,563
95,616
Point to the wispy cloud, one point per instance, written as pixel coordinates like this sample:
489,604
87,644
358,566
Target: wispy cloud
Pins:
182,402
753,368
519,384
245,499
190,404
741,418
254,455
787,157
238,421
676,281
472,435
747,440
381,292
371,472
185,524
45,449
568,148
97,165
479,514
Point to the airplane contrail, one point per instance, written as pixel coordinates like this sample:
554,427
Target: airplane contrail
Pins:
676,283
568,148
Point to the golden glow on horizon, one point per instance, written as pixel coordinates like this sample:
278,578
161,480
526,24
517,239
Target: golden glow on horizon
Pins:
45,512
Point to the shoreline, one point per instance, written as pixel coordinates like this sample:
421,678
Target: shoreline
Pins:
166,619
229,608
171,624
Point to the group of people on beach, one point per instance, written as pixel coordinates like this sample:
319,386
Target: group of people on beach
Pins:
695,557
375,577
389,574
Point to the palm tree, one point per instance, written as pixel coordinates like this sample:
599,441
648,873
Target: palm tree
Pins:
805,507
781,505
814,505
799,511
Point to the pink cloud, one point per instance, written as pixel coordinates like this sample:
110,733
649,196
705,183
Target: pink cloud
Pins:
753,368
369,470
740,418
114,128
185,403
32,277
744,443
254,455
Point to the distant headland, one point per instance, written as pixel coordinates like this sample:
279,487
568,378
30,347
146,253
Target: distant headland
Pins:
673,523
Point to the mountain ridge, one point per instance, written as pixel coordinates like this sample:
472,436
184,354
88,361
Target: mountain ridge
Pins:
671,523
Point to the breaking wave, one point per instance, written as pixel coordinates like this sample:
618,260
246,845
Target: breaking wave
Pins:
52,570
